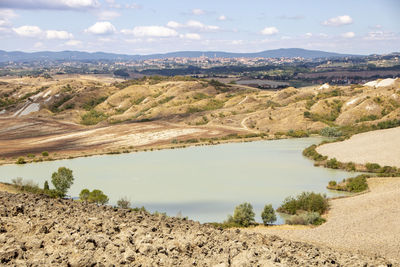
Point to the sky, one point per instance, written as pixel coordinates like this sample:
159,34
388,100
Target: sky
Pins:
159,26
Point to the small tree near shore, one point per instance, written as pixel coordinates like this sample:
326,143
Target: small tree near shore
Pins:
268,215
62,180
243,215
124,203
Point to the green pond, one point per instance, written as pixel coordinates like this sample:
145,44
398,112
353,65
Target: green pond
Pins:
204,183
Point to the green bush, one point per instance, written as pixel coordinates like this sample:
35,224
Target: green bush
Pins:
45,154
84,195
357,184
306,218
243,215
124,203
297,133
98,197
268,214
306,201
46,186
311,152
331,132
93,117
333,163
332,183
20,160
62,180
372,167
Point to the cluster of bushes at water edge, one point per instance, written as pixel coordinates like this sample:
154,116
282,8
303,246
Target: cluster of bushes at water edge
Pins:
354,184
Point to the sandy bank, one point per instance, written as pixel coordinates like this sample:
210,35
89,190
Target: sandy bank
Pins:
382,147
368,223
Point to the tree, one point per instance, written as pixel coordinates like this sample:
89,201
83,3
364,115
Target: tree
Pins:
243,215
84,195
98,197
124,203
62,180
46,185
268,215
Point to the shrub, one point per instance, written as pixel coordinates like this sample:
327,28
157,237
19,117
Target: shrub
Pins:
357,184
312,153
17,181
243,215
98,197
306,201
46,185
45,154
332,183
124,203
62,180
21,160
306,218
30,155
350,166
297,133
84,195
331,132
93,117
333,163
268,215
372,167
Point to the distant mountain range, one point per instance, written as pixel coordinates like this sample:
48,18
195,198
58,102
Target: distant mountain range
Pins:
18,56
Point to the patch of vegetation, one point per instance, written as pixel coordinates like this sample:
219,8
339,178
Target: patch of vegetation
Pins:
353,184
20,160
96,196
124,203
331,132
312,153
45,154
219,86
56,105
166,99
268,215
94,102
367,118
31,187
93,117
243,215
306,201
305,218
62,180
298,133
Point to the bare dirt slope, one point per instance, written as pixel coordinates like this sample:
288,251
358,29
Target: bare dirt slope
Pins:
382,147
37,231
367,223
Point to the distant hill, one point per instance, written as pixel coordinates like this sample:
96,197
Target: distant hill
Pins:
85,56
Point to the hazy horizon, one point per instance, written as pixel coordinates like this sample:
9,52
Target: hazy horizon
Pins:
141,27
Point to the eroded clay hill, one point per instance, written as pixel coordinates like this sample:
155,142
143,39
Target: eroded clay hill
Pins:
84,113
38,231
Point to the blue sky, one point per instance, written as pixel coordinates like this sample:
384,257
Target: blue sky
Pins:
154,26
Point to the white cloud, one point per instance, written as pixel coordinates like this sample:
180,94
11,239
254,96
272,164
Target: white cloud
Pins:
309,34
338,21
174,24
50,4
198,11
348,35
38,45
73,43
101,28
61,35
269,31
191,36
107,15
237,42
193,24
222,18
7,14
4,23
380,36
150,31
28,31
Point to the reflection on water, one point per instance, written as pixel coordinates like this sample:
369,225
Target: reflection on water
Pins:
204,183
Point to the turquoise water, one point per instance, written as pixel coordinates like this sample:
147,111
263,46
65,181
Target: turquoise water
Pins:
204,183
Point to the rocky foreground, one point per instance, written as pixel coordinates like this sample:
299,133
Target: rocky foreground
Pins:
38,231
